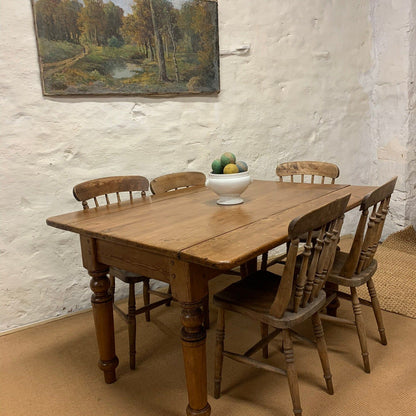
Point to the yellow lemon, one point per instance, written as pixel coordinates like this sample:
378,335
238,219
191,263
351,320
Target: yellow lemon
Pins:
231,168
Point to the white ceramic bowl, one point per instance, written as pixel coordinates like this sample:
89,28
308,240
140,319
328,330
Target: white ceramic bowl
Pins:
229,187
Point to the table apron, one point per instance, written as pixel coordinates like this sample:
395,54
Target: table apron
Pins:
135,260
152,265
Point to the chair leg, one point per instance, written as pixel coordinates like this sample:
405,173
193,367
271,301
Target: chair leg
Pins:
205,307
131,322
264,331
323,352
359,323
264,258
377,311
291,372
243,271
146,297
331,308
112,285
169,293
219,352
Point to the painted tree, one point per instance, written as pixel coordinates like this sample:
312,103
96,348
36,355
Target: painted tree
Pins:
58,19
138,28
92,22
199,27
205,28
170,26
113,20
190,38
148,19
156,10
67,14
46,18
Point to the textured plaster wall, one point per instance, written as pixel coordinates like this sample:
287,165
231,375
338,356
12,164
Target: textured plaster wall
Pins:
411,146
308,89
392,117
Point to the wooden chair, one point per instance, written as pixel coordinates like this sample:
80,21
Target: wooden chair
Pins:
307,171
107,189
174,182
285,301
302,172
358,266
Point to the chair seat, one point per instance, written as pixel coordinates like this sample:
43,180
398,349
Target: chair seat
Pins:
355,280
254,295
125,276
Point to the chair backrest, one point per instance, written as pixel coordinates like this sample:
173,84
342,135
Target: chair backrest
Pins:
369,229
307,171
104,187
304,275
174,181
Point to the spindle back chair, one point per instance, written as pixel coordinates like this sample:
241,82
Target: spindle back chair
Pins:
307,171
106,187
302,172
285,301
357,267
111,190
175,181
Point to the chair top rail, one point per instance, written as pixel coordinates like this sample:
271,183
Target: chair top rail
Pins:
173,181
379,194
312,168
109,185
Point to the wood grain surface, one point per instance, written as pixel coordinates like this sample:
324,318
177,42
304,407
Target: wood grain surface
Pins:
189,225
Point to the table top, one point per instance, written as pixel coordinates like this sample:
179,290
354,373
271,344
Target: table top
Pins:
190,226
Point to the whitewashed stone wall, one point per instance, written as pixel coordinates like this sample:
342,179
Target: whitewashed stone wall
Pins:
411,144
323,80
392,117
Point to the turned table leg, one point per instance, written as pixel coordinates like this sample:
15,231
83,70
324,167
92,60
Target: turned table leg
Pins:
194,355
189,284
102,305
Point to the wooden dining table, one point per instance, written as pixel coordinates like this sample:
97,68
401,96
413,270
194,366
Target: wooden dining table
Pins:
184,238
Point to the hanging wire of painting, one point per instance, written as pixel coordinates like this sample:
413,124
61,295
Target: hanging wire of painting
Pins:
127,47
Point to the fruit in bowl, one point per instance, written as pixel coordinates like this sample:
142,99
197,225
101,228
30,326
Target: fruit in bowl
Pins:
227,158
242,166
228,164
230,168
216,166
229,179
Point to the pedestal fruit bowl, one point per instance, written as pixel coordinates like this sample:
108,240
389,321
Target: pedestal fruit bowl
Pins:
229,187
229,179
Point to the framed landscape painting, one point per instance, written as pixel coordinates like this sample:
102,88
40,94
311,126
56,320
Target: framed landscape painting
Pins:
127,47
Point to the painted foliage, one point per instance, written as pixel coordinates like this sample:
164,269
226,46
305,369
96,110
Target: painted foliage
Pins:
127,46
